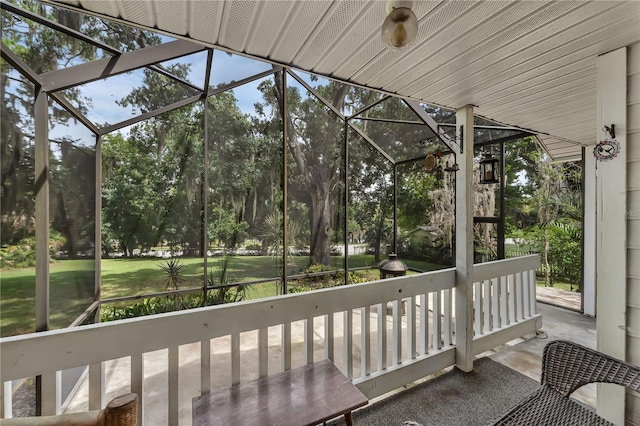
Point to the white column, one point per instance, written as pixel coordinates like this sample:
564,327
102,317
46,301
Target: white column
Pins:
611,228
589,234
464,240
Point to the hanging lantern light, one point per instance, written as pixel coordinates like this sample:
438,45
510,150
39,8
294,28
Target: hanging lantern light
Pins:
400,27
488,169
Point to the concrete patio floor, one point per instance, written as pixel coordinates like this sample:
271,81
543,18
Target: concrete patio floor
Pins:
525,355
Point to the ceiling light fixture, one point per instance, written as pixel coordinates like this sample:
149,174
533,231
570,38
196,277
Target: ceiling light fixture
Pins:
401,25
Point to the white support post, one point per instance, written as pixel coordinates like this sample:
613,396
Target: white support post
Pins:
464,240
611,228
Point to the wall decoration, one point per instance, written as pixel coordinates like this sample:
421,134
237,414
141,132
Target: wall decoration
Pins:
606,149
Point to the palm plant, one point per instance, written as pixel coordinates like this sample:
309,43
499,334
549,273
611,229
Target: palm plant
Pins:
224,293
173,271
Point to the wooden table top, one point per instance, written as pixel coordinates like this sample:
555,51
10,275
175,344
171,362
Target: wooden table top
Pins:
307,395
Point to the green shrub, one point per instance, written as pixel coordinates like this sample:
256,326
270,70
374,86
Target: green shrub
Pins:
23,253
332,278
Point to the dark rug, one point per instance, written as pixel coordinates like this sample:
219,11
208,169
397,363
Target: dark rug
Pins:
453,398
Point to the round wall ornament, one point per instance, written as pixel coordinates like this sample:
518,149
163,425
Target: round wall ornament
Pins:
430,162
606,149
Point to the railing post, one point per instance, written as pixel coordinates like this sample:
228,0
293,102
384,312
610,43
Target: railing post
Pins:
464,239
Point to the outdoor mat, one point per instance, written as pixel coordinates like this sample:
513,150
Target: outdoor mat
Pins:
453,398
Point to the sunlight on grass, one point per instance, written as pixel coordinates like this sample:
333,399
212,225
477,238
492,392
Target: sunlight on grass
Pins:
72,283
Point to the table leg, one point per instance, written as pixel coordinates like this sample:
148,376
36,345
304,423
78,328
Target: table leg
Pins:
348,419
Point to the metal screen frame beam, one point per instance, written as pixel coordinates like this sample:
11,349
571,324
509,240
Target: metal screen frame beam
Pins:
129,61
17,63
429,121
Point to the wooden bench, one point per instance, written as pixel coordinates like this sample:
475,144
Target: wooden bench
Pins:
566,366
307,395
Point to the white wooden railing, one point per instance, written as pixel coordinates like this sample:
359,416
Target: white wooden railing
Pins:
382,335
504,301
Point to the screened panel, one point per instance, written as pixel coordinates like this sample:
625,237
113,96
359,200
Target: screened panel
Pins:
315,158
72,212
152,205
190,68
245,218
228,68
118,36
331,92
401,141
485,242
439,114
43,48
139,91
370,203
17,205
425,214
397,130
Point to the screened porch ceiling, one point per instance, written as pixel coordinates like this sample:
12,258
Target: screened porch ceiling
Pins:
527,64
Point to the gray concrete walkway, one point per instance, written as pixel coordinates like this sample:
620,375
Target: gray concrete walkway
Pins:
559,297
525,355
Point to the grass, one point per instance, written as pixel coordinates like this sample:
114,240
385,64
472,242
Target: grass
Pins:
72,288
558,284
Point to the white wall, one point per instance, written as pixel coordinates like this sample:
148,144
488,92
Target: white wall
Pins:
633,223
611,227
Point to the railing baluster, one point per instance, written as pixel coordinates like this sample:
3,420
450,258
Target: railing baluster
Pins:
96,386
518,295
525,295
477,308
174,365
411,327
486,306
51,393
235,358
308,341
512,299
495,303
329,347
286,346
424,325
6,401
348,342
437,321
263,352
446,326
365,349
532,288
205,366
504,302
382,336
137,383
397,331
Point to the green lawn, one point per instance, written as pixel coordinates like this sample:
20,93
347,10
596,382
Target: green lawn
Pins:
71,283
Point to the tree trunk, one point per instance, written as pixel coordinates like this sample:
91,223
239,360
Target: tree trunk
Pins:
320,221
545,254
